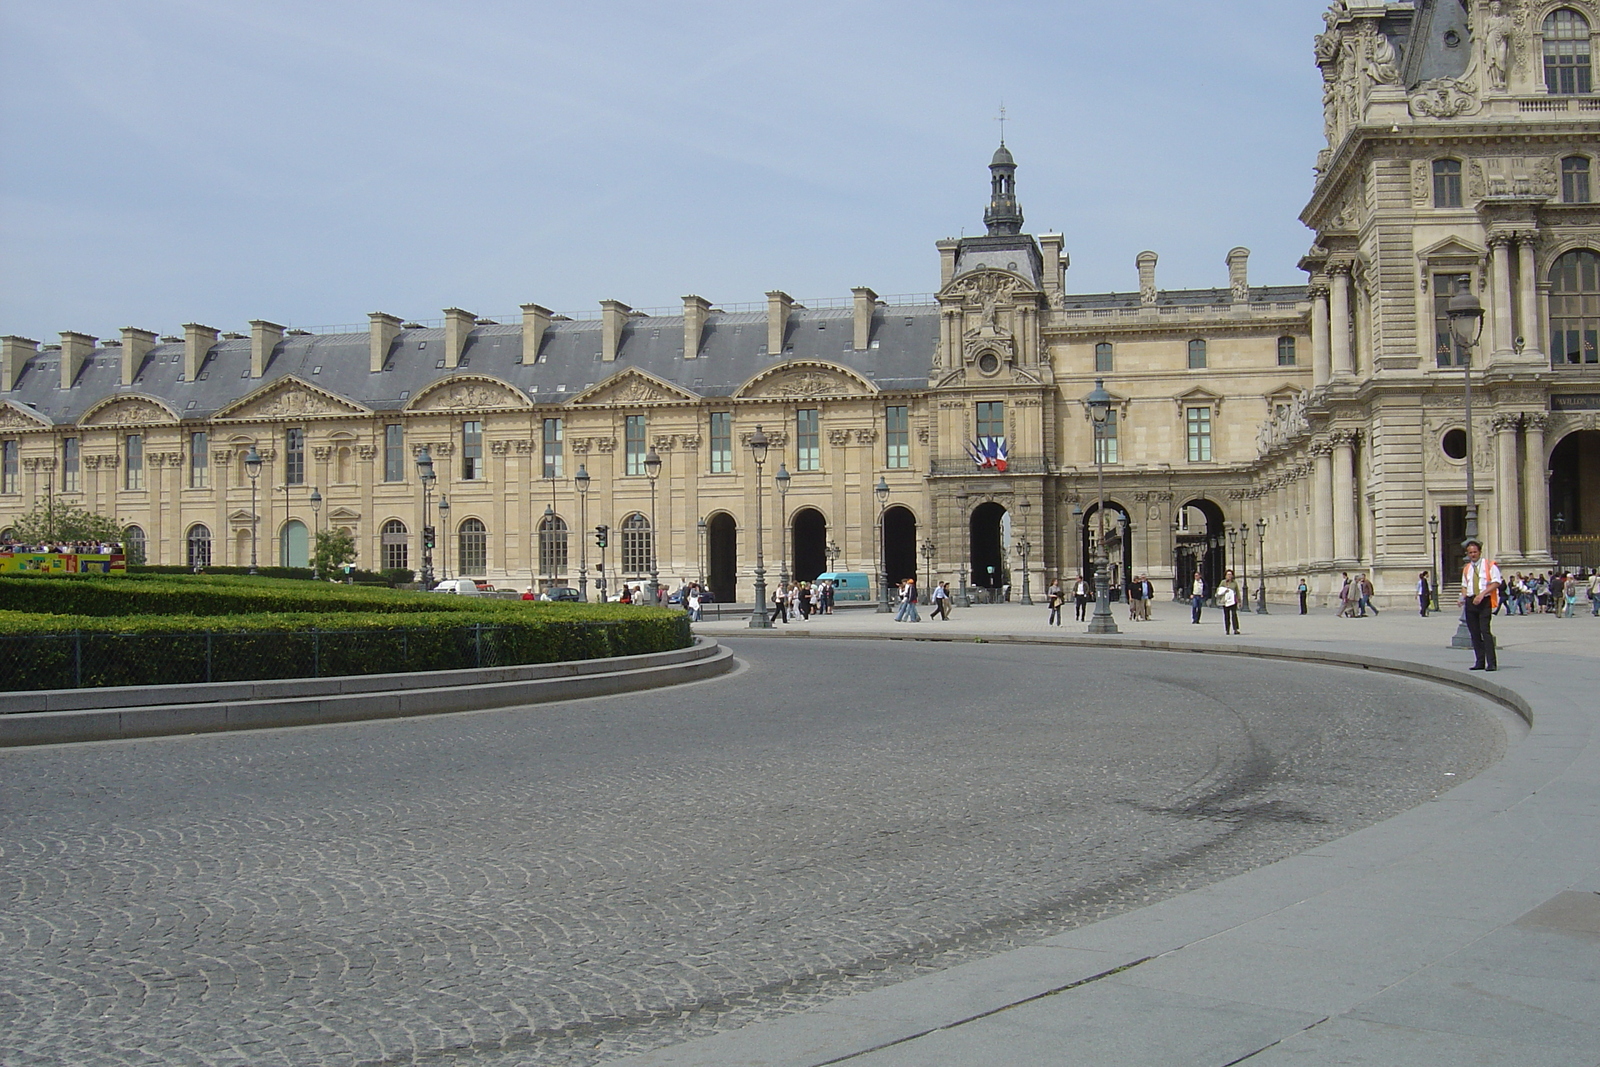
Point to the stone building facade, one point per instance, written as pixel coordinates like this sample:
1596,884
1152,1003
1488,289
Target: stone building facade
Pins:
1283,431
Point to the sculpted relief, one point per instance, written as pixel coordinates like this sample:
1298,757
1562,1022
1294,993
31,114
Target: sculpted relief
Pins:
132,413
470,396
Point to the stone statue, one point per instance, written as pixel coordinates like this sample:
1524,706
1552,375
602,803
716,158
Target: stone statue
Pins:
1498,43
1385,69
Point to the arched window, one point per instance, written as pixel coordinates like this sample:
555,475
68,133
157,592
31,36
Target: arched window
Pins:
1566,53
1575,309
474,541
294,546
1102,357
1575,180
1447,183
199,546
636,544
1286,353
133,546
396,546
553,546
1197,354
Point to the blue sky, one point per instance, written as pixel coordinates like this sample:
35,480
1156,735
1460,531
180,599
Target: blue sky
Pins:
309,161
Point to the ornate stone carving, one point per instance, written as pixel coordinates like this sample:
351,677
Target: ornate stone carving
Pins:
470,396
11,419
775,438
1498,35
579,445
1505,423
30,463
295,403
838,437
924,434
690,441
525,447
606,444
1382,64
808,384
636,392
1537,421
500,448
323,453
665,442
131,413
866,437
91,463
1445,98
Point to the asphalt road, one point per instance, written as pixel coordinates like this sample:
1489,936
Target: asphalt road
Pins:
567,883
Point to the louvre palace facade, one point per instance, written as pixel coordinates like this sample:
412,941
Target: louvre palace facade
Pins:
1284,431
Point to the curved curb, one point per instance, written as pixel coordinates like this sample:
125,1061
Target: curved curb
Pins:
1408,668
267,705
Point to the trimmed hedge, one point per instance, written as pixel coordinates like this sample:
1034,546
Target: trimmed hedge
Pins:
392,576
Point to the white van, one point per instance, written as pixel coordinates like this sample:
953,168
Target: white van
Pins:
459,586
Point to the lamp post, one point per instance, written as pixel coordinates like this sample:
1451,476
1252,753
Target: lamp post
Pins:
929,550
581,480
964,598
652,470
316,531
444,521
1261,565
548,537
1024,546
881,491
1244,560
252,467
759,620
1433,563
833,555
1466,327
700,560
1099,411
781,480
426,476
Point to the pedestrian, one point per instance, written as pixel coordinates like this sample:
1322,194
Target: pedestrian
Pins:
1364,592
805,601
1594,594
1570,588
1424,593
1054,595
1147,593
1197,598
1304,591
780,605
691,600
527,594
1133,601
1228,597
1480,592
1080,598
908,602
941,601
1346,608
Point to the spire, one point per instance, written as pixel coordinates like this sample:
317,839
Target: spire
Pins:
1004,216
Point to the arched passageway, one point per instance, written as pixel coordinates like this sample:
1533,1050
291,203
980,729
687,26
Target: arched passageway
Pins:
1575,500
1119,543
722,551
1200,545
899,543
808,532
988,534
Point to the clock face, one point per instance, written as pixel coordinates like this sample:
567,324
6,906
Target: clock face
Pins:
988,363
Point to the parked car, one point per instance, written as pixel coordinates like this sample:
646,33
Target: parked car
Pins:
463,587
564,592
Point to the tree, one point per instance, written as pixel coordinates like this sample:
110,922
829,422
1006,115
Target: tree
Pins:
54,521
335,548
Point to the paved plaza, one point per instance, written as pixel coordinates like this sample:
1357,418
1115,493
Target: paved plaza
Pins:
573,883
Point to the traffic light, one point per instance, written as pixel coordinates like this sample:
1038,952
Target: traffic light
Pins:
600,533
427,537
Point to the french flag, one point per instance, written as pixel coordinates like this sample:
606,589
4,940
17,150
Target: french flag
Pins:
989,453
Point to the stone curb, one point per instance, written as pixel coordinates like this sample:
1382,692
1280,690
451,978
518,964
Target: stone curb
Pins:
1408,668
434,693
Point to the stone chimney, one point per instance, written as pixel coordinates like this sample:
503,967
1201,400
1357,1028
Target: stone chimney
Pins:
866,303
75,348
197,341
947,260
264,337
695,310
535,320
382,329
1147,278
613,317
1050,245
457,325
14,352
1239,275
136,344
779,305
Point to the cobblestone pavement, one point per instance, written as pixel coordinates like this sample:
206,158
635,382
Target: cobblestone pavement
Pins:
569,883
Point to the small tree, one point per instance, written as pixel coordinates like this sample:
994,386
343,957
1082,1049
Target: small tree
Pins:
335,548
55,521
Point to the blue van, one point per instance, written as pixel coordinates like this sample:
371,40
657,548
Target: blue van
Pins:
848,586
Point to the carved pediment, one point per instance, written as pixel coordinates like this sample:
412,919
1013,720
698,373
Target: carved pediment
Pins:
343,514
632,388
129,411
807,380
469,393
986,287
290,398
1450,248
14,416
1197,397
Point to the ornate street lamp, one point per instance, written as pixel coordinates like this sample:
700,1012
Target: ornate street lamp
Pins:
881,491
833,555
1244,561
547,542
444,521
759,619
964,597
316,531
781,480
1261,565
929,550
581,480
701,558
652,470
252,467
1433,564
1024,546
1466,327
1099,402
427,477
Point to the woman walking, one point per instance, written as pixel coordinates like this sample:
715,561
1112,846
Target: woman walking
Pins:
1424,593
1228,597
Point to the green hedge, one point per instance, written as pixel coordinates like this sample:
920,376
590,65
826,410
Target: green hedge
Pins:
391,576
160,594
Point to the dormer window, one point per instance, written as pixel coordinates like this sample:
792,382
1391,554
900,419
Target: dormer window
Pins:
1566,53
1447,183
1575,180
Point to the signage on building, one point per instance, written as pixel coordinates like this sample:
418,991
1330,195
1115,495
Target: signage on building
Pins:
1576,402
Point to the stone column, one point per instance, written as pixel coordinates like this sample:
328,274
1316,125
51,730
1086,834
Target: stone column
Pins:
1322,507
1536,486
1507,488
1505,331
1319,332
1529,286
1339,323
1344,499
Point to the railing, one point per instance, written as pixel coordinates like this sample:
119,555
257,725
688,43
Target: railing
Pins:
1576,550
966,468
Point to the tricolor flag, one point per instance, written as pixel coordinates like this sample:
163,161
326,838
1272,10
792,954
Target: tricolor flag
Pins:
989,453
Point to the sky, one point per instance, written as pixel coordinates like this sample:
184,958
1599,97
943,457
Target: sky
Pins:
311,161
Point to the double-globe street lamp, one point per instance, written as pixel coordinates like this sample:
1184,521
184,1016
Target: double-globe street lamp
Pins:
316,532
781,480
759,619
1466,327
1024,546
1261,565
929,549
881,491
444,521
1099,402
581,480
427,477
652,471
252,467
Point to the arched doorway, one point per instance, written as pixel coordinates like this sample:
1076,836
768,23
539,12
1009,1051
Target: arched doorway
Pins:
1119,543
1200,545
899,543
294,547
809,538
722,550
1575,500
988,531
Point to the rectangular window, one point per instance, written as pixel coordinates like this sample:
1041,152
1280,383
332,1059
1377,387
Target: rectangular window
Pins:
394,453
992,419
70,465
294,457
1105,442
1444,287
897,423
472,450
722,442
8,467
1446,183
1575,180
1197,354
199,460
1200,435
133,461
633,444
1286,352
552,451
807,447
1102,357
